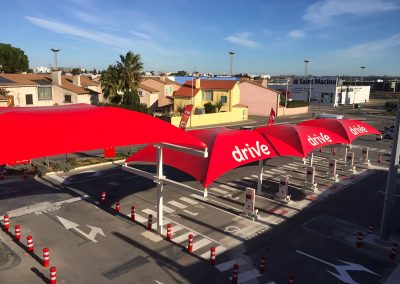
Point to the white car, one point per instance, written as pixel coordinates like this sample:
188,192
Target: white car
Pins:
326,115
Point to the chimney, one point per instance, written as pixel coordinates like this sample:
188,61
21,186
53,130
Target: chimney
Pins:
162,78
76,79
56,78
197,83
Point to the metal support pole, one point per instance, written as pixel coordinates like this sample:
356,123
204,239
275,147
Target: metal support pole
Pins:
311,159
160,187
391,182
260,176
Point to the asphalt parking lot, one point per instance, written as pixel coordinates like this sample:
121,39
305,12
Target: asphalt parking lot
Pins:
92,243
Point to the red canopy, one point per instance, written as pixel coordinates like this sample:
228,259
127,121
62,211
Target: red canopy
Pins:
348,129
298,140
44,131
228,149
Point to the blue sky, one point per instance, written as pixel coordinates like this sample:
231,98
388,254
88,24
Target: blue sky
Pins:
268,37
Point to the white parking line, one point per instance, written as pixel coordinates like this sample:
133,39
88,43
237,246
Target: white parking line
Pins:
228,187
218,250
199,244
177,204
218,190
229,264
188,200
168,209
139,218
190,212
184,237
278,171
149,211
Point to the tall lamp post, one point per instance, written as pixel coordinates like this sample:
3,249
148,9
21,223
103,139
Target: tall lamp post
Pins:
305,74
362,72
55,52
305,66
231,53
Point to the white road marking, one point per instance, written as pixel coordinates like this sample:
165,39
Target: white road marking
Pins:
175,228
184,237
59,179
168,209
218,250
248,275
177,204
190,212
71,200
149,211
229,264
199,244
188,200
139,218
289,167
228,187
278,171
90,236
218,190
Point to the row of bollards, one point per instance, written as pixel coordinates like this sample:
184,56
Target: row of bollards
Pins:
2,174
30,247
235,272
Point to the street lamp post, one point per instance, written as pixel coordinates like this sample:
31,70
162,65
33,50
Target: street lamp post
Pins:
305,67
231,53
286,95
362,72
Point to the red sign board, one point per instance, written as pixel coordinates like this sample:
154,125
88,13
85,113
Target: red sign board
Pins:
187,111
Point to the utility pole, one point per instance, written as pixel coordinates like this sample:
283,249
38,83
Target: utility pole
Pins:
231,53
391,182
305,67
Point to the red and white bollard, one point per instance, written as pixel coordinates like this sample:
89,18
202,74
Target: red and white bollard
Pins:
103,198
150,222
169,232
17,232
262,265
370,228
117,207
190,243
133,213
46,257
379,159
30,244
25,174
235,274
6,224
53,275
320,149
393,252
291,279
213,254
359,240
334,151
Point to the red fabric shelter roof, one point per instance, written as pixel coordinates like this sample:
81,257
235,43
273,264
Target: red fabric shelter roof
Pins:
348,129
298,140
228,149
35,132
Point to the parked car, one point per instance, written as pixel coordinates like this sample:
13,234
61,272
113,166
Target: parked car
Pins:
326,115
389,132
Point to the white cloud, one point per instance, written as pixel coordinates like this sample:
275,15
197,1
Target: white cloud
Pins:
93,20
243,39
140,35
324,12
296,34
369,50
96,36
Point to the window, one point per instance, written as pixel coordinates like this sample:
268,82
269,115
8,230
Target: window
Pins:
224,99
208,96
140,93
29,99
44,93
67,99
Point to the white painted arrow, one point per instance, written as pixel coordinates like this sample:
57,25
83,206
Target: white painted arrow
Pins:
93,230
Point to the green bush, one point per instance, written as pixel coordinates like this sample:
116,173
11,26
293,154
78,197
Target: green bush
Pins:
210,108
292,104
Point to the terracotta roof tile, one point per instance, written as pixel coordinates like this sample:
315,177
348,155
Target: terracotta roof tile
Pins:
186,89
239,105
147,88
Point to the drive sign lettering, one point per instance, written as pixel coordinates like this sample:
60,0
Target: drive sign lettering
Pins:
248,152
357,130
315,140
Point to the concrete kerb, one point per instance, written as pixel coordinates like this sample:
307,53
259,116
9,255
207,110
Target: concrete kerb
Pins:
118,162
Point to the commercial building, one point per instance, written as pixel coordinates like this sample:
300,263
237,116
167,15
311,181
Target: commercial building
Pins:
328,90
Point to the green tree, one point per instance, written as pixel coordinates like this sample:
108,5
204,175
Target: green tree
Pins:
129,71
109,82
219,105
12,59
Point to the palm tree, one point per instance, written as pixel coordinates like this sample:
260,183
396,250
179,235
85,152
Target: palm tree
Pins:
109,82
130,72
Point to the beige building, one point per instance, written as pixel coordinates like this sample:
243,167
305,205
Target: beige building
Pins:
3,101
49,89
166,89
148,96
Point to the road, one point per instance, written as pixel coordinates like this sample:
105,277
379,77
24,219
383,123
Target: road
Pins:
93,243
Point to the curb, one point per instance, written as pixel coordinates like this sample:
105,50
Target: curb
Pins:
89,167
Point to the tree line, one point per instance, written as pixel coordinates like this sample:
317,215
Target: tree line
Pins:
13,59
